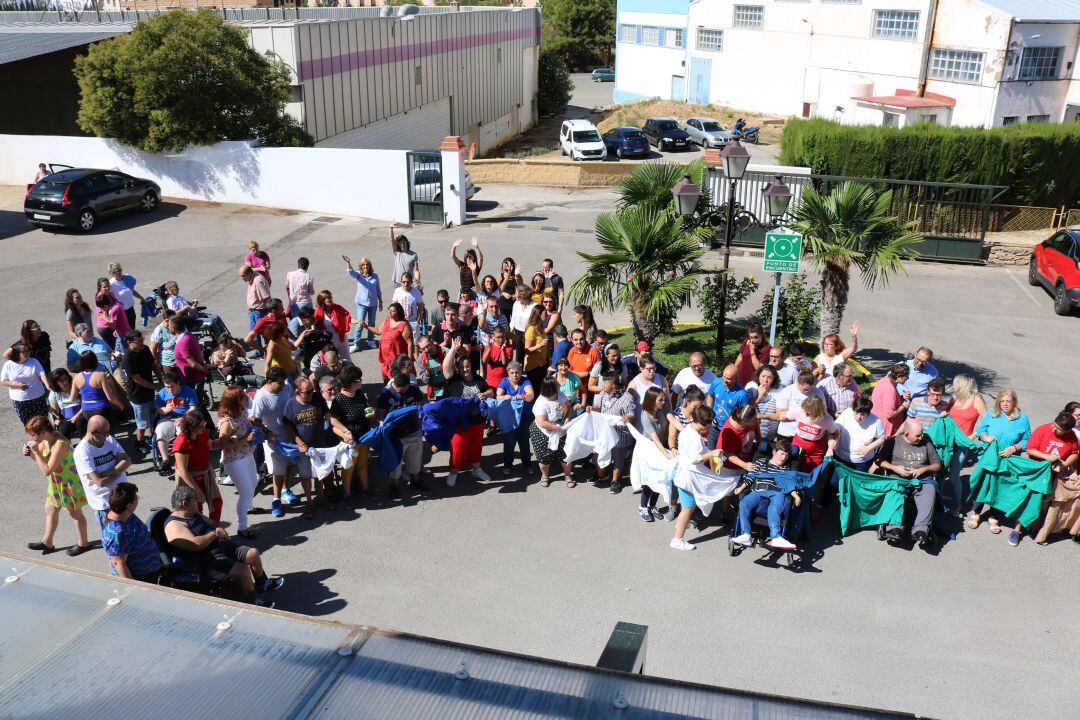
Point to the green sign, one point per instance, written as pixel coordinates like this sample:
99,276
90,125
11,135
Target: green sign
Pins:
783,250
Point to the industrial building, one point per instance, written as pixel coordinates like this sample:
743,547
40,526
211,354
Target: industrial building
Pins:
889,62
360,79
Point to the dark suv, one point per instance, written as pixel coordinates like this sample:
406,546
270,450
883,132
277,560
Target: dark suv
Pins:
78,198
665,134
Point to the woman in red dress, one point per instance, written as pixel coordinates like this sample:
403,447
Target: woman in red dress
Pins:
395,338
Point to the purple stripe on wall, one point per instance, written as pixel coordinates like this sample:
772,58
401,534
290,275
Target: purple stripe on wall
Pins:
311,69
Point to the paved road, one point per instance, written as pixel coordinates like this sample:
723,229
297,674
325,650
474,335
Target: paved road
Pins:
978,629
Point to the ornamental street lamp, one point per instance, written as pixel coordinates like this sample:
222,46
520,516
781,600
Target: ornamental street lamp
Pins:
686,194
735,158
777,198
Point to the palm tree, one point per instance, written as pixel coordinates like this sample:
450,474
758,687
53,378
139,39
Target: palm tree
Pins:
649,185
648,264
852,225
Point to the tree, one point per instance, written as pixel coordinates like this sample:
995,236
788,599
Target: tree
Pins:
582,31
648,264
852,225
184,78
649,185
553,84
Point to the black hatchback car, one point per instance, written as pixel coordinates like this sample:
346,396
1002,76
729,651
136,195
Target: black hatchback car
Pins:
665,134
79,198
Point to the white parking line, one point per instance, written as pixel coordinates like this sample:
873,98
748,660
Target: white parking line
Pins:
1025,288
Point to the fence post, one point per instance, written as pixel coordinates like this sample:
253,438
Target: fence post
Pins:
453,180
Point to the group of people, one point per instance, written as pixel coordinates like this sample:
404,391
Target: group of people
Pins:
518,363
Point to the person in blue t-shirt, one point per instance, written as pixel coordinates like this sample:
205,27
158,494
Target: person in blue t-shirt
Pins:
562,346
170,403
723,397
516,386
127,540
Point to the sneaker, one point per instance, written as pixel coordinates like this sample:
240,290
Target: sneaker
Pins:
615,488
269,604
275,508
1014,538
288,497
657,515
645,514
779,543
356,349
271,584
745,540
681,544
225,480
479,474
451,480
921,538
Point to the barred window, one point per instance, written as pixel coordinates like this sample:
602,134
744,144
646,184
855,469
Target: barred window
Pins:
1039,63
650,35
673,37
1038,118
749,16
1010,120
627,33
710,40
958,65
896,24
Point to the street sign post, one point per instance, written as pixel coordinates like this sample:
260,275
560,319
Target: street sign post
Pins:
783,253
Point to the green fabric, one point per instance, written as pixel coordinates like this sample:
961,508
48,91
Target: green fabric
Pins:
945,434
1014,485
868,500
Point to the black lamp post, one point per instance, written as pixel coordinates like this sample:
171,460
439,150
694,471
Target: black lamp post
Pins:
777,196
735,158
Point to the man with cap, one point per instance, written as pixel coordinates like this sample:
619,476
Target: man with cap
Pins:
631,363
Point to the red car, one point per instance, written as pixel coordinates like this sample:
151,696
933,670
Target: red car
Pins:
1055,264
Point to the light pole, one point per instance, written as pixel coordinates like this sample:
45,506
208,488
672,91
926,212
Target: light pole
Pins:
777,198
735,158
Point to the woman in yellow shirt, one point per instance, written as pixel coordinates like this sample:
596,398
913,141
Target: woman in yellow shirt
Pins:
279,351
537,347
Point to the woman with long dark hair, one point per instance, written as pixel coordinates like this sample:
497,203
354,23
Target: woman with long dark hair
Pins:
509,279
94,391
27,383
583,316
111,320
76,311
235,437
37,340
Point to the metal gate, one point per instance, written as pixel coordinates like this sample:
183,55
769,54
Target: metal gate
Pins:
425,187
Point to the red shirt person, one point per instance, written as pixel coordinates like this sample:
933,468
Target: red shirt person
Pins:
738,438
753,353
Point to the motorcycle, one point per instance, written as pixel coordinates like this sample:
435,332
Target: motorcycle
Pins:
743,133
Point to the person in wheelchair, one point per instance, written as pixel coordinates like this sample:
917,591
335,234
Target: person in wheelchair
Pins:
170,404
199,543
912,456
766,497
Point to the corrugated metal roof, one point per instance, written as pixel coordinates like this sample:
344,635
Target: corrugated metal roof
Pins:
19,42
91,646
1031,10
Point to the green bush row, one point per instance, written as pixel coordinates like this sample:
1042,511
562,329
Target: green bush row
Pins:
1036,161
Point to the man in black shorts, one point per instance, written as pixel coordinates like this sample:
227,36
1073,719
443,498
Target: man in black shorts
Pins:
196,539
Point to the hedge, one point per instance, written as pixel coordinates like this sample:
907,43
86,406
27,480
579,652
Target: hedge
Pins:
1037,161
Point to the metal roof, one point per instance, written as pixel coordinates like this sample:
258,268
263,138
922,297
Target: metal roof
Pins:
19,42
118,645
1034,10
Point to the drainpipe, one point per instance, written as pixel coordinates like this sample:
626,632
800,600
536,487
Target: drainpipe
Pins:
925,66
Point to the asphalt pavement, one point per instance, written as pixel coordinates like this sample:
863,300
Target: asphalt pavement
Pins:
973,629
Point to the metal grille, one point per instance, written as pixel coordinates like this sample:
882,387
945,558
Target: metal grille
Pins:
750,16
958,65
710,40
1039,63
425,187
896,24
1017,218
1038,118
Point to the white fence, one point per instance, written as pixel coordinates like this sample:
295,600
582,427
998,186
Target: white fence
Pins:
367,183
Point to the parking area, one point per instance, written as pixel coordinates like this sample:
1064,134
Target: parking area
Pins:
974,629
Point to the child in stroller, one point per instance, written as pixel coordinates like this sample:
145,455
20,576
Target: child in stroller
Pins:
228,359
767,495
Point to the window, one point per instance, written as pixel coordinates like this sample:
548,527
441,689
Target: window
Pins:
896,24
650,35
1010,120
1038,118
673,37
958,65
627,33
710,40
889,119
1039,63
930,118
749,16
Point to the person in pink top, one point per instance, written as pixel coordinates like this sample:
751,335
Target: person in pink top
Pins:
889,405
112,321
815,430
258,260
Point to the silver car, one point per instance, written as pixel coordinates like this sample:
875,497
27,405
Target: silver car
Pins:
707,132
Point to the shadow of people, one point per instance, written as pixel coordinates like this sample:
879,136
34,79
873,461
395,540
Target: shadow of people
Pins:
307,593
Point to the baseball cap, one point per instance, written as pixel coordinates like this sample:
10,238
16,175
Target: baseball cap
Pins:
643,346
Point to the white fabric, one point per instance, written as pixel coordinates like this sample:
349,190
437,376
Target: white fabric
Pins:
686,378
91,458
651,468
519,316
552,411
706,486
592,432
854,435
323,460
30,373
245,477
300,286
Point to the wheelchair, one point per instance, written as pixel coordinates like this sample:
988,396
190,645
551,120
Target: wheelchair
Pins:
182,575
908,519
759,524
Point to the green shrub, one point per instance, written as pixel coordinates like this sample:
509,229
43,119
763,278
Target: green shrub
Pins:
709,296
800,305
1035,160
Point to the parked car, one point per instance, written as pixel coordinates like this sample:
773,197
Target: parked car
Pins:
428,184
1055,264
603,75
665,134
581,140
707,133
79,197
627,142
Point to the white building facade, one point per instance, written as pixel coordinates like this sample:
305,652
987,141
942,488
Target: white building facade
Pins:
892,62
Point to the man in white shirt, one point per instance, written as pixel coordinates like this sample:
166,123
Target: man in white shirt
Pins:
411,301
101,463
519,318
861,434
792,396
695,374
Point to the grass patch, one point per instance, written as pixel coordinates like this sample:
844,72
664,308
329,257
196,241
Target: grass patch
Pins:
634,114
531,152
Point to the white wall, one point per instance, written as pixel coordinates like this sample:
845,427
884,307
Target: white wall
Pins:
366,183
646,70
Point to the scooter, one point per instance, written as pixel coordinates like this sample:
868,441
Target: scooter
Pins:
743,133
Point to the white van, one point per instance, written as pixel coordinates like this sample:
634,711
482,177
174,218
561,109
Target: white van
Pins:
581,140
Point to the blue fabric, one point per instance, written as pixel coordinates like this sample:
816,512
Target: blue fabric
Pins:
382,440
287,450
96,346
187,395
148,308
131,538
507,415
439,420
